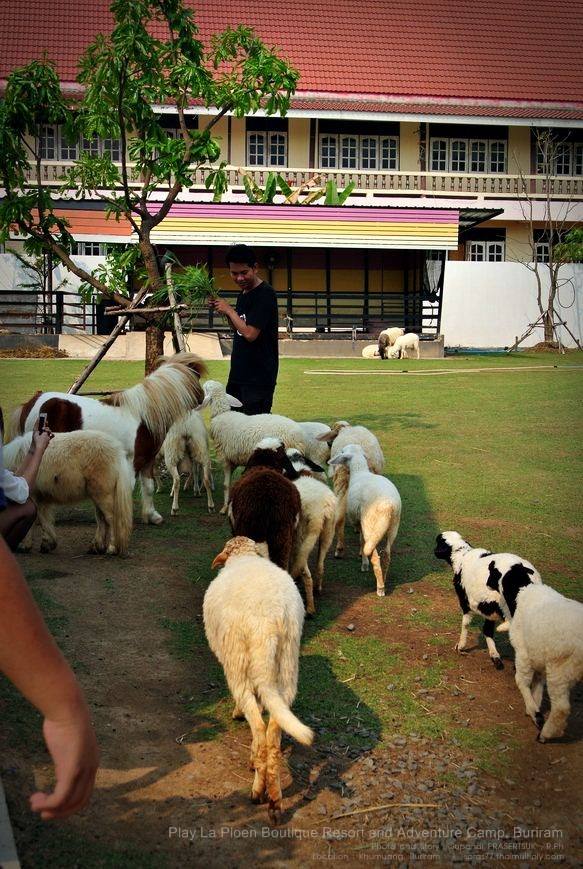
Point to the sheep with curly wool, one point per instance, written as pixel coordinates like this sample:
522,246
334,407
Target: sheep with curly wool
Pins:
387,338
405,344
371,351
264,505
546,632
253,619
185,449
373,503
316,525
475,580
235,435
341,434
78,465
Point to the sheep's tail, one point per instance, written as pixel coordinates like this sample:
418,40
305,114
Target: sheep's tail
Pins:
272,698
123,506
165,395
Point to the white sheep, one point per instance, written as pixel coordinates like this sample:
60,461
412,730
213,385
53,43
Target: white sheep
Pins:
185,448
316,450
371,351
340,435
404,344
387,338
78,465
476,583
236,435
375,504
253,620
316,526
546,632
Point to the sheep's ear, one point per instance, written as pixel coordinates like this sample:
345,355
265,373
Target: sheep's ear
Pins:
313,466
262,549
234,402
288,468
337,460
327,436
494,577
220,559
206,401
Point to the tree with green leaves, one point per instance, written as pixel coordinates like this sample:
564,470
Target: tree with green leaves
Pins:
124,75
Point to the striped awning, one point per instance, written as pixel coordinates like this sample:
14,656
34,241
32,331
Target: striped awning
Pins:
310,226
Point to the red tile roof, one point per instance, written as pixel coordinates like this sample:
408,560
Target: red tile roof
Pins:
514,50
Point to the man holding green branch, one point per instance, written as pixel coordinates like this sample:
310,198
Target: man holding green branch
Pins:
254,319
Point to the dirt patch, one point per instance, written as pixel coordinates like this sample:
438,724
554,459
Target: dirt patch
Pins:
33,351
174,783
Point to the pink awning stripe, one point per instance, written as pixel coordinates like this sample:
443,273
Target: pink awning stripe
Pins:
279,213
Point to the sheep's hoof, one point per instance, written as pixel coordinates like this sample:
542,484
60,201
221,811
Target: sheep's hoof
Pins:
174,512
223,510
211,509
310,614
459,648
540,738
498,663
274,811
380,592
238,716
155,518
539,720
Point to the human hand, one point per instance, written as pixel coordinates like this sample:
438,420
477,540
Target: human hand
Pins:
220,306
41,440
73,748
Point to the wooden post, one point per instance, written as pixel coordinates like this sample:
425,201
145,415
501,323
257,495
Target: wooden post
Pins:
98,356
176,316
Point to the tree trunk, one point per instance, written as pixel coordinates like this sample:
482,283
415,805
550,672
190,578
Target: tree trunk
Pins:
154,346
548,324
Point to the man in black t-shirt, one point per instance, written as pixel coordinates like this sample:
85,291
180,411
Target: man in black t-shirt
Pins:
255,356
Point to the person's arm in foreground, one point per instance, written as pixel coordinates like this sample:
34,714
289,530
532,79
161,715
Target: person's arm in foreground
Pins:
29,657
250,333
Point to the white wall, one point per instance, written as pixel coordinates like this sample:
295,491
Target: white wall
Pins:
489,304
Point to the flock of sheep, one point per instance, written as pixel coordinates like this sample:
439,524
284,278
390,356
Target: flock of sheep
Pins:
281,510
393,343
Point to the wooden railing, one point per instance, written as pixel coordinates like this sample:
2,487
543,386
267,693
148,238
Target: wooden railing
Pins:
378,185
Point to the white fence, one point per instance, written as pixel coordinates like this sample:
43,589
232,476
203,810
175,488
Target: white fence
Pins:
487,305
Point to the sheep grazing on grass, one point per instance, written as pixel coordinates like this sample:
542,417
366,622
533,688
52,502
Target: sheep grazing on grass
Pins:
475,580
186,449
235,435
316,525
253,620
546,632
264,505
374,504
341,434
387,338
79,465
371,351
405,345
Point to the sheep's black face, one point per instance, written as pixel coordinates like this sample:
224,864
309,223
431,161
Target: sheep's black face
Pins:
442,549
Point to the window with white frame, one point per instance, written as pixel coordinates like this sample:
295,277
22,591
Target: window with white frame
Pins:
578,158
359,152
47,144
461,155
265,148
485,251
542,251
559,157
90,248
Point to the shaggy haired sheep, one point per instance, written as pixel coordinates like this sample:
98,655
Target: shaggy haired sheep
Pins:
371,351
374,504
185,448
316,526
253,620
473,581
79,465
341,434
235,435
264,505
